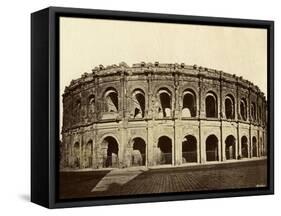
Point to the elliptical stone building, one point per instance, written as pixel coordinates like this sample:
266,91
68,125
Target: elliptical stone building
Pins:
154,114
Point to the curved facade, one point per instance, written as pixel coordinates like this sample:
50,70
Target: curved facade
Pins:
154,114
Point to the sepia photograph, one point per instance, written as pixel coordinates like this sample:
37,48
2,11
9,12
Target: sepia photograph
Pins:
155,108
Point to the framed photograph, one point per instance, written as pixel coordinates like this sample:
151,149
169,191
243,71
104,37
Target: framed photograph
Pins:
138,107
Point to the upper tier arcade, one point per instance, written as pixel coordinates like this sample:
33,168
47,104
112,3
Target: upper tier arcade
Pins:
148,91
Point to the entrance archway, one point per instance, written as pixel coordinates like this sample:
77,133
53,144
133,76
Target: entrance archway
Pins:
230,148
189,149
212,148
254,147
110,157
88,154
138,153
76,155
244,144
165,147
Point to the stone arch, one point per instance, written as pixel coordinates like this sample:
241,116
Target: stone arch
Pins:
212,145
138,100
254,147
111,100
88,154
211,105
244,147
91,104
164,145
253,111
77,109
76,155
259,114
230,147
189,149
78,103
110,152
229,106
243,109
165,102
138,152
189,103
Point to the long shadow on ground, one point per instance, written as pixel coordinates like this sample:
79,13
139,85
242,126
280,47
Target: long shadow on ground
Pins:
79,184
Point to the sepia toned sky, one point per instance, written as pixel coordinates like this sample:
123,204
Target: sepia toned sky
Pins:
86,43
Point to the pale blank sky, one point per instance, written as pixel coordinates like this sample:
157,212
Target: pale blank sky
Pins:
86,43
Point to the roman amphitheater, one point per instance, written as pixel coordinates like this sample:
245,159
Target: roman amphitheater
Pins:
153,114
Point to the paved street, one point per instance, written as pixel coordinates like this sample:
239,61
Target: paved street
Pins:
147,181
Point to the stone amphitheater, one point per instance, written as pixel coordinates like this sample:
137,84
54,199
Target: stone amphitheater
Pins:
152,114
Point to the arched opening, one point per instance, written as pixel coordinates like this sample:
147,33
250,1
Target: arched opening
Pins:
212,148
211,105
138,153
189,104
229,107
230,147
88,154
138,104
165,108
165,147
91,104
77,110
244,144
78,104
259,114
243,109
189,149
76,155
254,147
110,158
111,100
253,111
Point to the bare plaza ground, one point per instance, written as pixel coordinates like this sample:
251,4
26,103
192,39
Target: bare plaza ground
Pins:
177,179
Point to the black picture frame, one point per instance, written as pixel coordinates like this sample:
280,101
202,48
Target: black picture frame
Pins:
45,105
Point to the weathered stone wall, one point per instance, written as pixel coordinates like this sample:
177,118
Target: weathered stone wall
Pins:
105,112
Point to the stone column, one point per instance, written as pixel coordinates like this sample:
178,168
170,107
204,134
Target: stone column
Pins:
220,116
150,144
177,143
97,96
258,143
149,103
202,92
250,141
239,139
173,152
203,147
123,144
237,143
81,151
200,151
221,144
